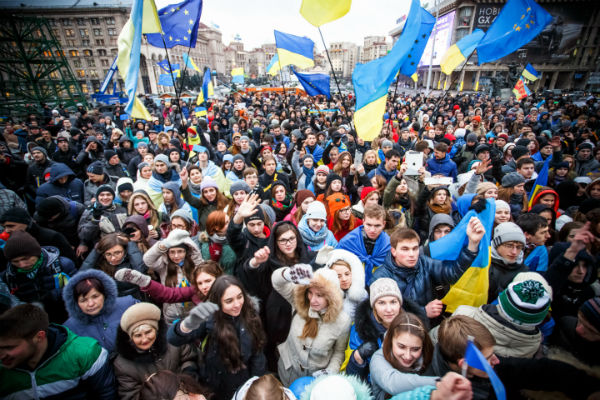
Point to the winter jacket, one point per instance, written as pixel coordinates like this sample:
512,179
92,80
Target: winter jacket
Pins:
203,208
387,379
501,274
445,167
102,326
72,368
118,171
90,188
354,243
46,286
126,154
380,170
227,258
586,167
316,240
213,371
302,357
418,283
165,294
565,336
91,229
157,260
85,158
67,221
35,174
50,237
244,244
133,367
72,189
67,158
132,260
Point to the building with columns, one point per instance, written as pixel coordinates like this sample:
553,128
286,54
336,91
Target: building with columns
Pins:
566,53
344,56
88,30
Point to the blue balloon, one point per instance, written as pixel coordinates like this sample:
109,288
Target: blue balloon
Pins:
299,385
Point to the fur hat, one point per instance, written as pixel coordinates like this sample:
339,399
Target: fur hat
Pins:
326,281
140,314
384,287
357,290
336,202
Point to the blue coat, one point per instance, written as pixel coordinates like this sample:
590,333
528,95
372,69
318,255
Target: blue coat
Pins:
317,153
72,189
354,243
418,283
446,167
380,170
103,326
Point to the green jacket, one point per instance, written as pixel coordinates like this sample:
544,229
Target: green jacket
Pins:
228,257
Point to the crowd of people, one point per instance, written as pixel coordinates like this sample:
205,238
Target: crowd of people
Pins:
266,251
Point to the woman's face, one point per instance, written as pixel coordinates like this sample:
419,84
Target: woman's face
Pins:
548,200
344,275
239,196
333,155
282,149
204,282
221,147
502,215
287,242
345,213
407,349
91,303
321,177
491,193
196,176
146,173
386,308
370,159
336,186
315,224
227,165
140,205
374,182
595,191
160,167
144,337
210,194
547,216
402,188
440,197
308,162
346,162
562,172
372,200
203,157
317,299
176,254
168,196
306,203
115,255
149,158
279,193
174,156
232,301
531,146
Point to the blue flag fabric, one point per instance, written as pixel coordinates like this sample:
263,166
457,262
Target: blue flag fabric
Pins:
164,64
410,64
541,180
179,23
205,83
450,246
518,23
166,79
314,84
475,359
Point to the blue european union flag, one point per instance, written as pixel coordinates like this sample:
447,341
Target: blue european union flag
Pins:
518,23
179,23
409,66
164,64
166,79
314,84
475,359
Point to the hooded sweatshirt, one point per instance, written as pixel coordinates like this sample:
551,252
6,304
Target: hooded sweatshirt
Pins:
72,189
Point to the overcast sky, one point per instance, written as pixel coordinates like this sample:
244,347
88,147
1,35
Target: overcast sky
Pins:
254,20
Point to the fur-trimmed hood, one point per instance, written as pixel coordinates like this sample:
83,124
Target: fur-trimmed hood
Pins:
110,295
325,281
356,292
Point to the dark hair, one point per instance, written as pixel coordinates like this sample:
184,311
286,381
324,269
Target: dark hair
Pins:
523,161
172,268
530,223
392,153
443,147
23,322
564,232
107,242
86,285
409,323
403,234
224,333
165,385
279,230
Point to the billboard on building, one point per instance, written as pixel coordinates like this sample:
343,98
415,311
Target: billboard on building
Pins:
442,34
558,40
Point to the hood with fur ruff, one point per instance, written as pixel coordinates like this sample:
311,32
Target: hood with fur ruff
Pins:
326,282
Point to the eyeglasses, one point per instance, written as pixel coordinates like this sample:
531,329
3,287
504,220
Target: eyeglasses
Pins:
116,254
287,241
511,246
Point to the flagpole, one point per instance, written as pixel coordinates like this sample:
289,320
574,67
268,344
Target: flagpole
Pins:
330,63
437,105
174,84
282,84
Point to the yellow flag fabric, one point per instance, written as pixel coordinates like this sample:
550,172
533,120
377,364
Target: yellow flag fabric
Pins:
370,127
471,289
451,59
319,12
415,77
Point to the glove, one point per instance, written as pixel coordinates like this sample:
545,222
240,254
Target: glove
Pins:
367,349
323,255
176,236
198,314
96,211
319,373
300,274
132,276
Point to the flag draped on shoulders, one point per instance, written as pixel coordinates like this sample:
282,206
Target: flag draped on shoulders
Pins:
460,51
180,25
143,19
372,80
518,23
319,12
294,50
472,288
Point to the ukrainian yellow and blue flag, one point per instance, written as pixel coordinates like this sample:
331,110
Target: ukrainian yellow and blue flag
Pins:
540,181
180,25
518,23
372,80
530,73
143,19
319,12
189,62
460,51
238,75
472,287
207,88
294,50
273,67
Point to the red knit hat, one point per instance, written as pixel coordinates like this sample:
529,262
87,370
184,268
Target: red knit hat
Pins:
365,191
477,118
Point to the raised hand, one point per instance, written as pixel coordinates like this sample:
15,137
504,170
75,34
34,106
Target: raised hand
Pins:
475,232
260,256
299,274
183,175
247,208
197,315
434,308
132,276
483,167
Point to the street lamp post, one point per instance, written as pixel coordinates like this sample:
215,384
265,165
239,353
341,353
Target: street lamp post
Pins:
437,14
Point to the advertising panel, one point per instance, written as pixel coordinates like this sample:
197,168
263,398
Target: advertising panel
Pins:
442,32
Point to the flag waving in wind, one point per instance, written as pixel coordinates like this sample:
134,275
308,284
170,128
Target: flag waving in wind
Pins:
540,181
143,19
179,23
314,84
189,62
530,73
237,75
294,50
410,64
521,90
518,23
460,51
372,80
319,12
273,67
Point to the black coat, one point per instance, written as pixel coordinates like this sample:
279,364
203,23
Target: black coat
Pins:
501,274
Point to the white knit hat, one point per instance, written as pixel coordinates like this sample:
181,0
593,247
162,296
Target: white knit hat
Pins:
316,210
333,387
502,205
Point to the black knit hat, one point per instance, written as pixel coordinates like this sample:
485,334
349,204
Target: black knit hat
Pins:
21,244
105,188
519,151
333,177
96,168
108,154
49,207
16,214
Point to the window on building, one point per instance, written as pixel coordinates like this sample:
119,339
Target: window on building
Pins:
88,53
84,33
91,62
99,42
52,22
114,51
65,22
54,74
101,52
77,63
85,42
81,21
59,53
84,87
97,32
110,21
56,33
70,42
69,32
113,41
95,21
93,73
80,73
104,62
112,32
74,53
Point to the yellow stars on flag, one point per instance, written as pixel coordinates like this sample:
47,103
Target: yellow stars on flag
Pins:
189,31
524,23
186,12
191,22
171,38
